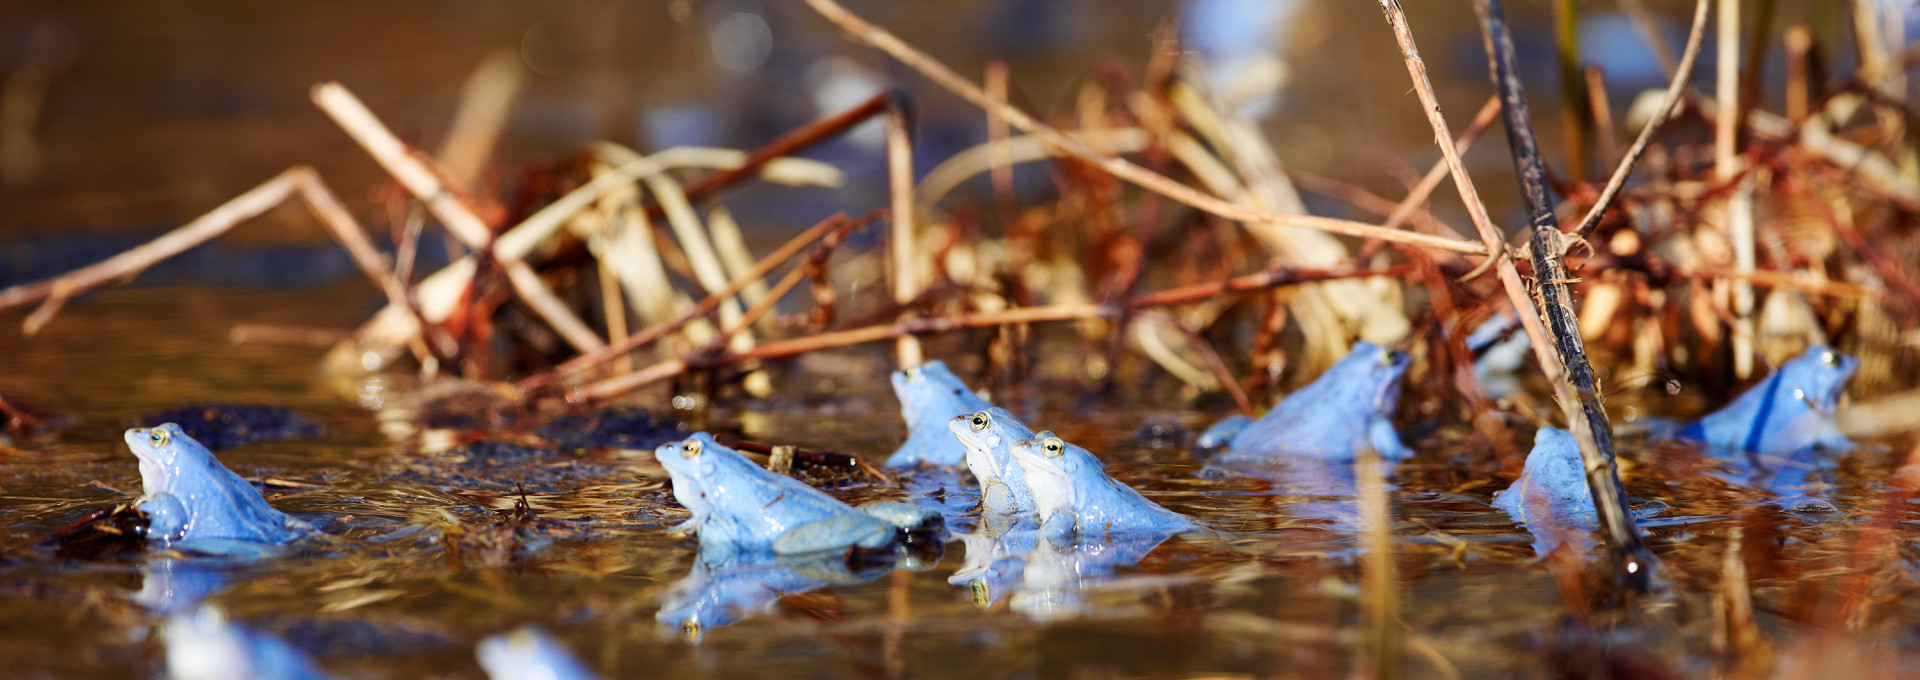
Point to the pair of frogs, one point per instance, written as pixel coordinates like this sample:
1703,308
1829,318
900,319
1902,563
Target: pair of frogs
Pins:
1020,471
1775,424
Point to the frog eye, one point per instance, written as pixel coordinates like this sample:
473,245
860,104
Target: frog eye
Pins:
982,596
689,449
913,374
158,437
690,628
1830,358
979,421
1390,357
1053,447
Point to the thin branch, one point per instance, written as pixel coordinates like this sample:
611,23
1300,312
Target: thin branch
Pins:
1674,89
1142,177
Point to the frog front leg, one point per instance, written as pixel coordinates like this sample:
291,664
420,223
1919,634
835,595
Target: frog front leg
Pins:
687,528
1217,438
1060,526
167,518
1386,440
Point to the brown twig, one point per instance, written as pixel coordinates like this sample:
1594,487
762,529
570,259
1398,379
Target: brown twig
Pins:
1139,176
1674,89
795,140
705,306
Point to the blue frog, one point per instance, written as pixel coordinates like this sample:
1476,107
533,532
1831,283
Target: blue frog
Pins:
1552,497
1789,411
1074,496
1554,481
989,436
195,503
529,653
1352,402
740,504
930,396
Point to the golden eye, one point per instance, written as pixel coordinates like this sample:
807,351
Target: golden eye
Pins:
1830,358
979,421
691,629
158,436
1390,357
689,449
1052,447
981,595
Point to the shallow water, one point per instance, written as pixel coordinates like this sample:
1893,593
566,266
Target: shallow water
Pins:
383,595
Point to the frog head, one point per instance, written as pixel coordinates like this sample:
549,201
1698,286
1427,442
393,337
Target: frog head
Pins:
931,392
987,433
1367,380
1053,468
1818,377
168,457
701,469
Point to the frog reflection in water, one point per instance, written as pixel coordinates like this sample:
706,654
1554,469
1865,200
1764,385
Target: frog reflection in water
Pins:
738,503
1789,411
1352,402
989,436
1073,494
529,653
728,585
930,396
196,503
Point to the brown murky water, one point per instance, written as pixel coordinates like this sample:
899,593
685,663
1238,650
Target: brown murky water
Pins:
1277,597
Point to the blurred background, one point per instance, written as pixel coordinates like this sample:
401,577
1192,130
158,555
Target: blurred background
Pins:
122,119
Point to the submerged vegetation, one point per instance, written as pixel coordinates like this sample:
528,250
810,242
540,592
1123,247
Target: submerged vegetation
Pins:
616,307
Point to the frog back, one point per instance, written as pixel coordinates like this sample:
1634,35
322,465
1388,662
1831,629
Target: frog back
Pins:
216,503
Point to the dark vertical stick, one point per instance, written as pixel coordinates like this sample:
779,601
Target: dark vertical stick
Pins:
1556,303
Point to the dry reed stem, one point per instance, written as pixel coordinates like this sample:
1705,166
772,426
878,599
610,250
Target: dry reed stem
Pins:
708,271
960,167
900,192
1727,91
1424,190
783,253
1142,177
486,104
1602,110
1675,87
1726,168
1000,157
399,161
731,245
1382,655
